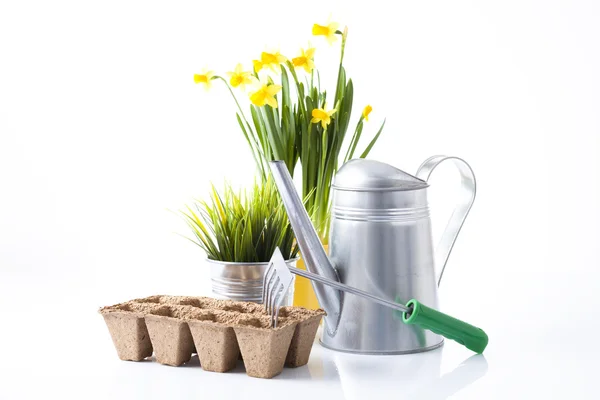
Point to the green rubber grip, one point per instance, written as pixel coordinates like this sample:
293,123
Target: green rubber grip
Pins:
470,336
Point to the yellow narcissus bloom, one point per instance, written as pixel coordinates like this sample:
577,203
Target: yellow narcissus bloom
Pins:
265,94
366,112
257,65
270,60
326,30
205,78
239,77
305,59
322,115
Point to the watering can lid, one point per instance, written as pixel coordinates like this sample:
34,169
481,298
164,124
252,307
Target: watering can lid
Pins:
369,175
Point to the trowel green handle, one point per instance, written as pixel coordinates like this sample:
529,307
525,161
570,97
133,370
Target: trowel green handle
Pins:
470,336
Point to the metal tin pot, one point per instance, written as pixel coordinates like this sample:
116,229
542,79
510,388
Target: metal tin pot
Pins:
242,281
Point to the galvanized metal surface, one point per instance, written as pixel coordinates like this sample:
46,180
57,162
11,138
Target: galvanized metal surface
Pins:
467,192
380,243
345,288
312,251
242,281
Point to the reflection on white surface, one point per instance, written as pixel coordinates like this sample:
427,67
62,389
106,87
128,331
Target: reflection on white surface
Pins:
411,376
363,375
460,377
415,375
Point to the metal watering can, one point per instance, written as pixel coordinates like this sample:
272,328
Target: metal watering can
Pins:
381,243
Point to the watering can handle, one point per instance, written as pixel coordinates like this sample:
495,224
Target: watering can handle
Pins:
468,188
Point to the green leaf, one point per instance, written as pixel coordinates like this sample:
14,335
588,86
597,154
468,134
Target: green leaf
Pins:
354,141
242,227
273,133
285,91
372,143
256,159
346,106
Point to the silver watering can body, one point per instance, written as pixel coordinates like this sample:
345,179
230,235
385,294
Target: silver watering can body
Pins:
380,242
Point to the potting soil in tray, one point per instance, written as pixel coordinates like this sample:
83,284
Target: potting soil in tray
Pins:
174,327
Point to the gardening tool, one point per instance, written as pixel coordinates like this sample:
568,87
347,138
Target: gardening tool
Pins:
276,284
381,245
278,280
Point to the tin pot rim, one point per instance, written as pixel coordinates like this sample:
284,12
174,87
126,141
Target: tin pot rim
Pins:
247,263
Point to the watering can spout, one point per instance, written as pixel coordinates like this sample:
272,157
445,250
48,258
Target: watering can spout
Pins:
312,250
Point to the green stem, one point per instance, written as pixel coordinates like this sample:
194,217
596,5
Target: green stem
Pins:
343,50
262,157
354,140
297,82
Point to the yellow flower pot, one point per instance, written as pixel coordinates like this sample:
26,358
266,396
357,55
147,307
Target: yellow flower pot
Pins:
304,295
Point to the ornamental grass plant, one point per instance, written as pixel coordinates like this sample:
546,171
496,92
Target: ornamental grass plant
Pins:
292,118
244,226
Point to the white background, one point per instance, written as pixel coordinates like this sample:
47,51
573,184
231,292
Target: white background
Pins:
103,134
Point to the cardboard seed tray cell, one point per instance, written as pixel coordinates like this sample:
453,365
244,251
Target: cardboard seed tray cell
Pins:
128,330
220,331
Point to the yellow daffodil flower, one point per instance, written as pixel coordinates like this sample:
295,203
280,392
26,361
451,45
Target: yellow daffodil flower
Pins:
326,30
322,115
305,59
271,60
366,112
239,77
265,94
205,78
257,65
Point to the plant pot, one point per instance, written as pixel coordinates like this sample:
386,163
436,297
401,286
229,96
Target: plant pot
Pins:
170,335
243,281
304,294
216,343
304,335
264,349
128,331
